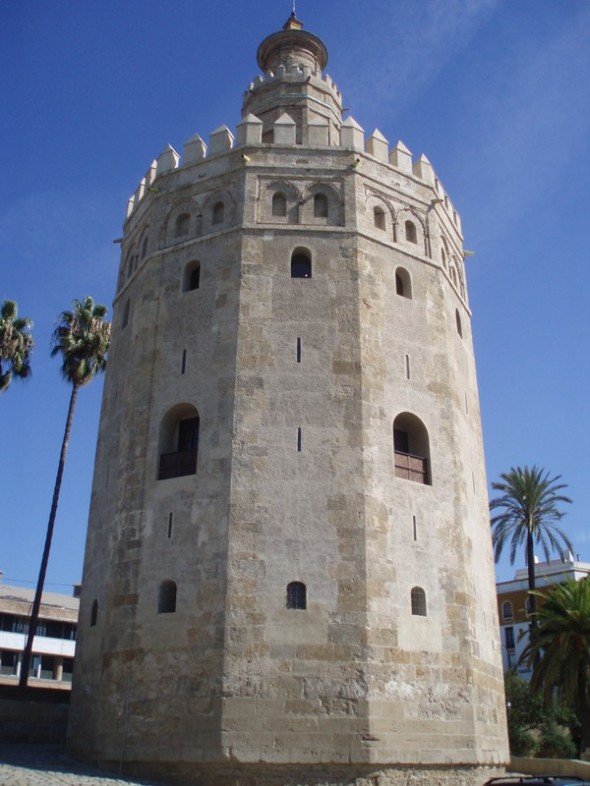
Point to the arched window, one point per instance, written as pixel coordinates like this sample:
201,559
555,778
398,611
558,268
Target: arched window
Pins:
191,278
179,442
411,235
279,204
301,263
167,597
129,265
411,448
218,213
94,613
296,595
182,226
453,274
320,206
528,605
443,256
379,217
458,323
126,312
507,614
403,283
418,599
144,247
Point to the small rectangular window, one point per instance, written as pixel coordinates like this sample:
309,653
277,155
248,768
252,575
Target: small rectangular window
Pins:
415,528
299,439
170,525
299,350
183,365
407,366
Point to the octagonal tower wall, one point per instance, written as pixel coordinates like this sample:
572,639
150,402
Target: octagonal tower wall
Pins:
333,609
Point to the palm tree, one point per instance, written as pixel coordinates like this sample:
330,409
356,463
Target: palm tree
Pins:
16,344
560,648
529,507
81,338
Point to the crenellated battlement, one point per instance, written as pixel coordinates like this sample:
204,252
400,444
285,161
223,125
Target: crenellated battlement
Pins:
249,133
296,73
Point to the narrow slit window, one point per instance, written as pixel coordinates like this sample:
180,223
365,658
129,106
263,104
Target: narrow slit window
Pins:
191,279
407,367
126,312
218,213
320,206
183,364
379,218
94,613
279,204
458,323
182,226
411,234
299,439
418,600
167,597
299,350
414,528
170,518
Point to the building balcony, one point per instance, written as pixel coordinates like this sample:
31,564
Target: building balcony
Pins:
411,467
175,465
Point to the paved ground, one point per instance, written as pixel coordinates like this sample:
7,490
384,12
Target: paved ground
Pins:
48,765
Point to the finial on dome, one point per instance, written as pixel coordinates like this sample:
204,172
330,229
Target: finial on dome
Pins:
292,22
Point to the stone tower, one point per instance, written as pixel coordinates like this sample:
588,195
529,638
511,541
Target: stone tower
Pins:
288,575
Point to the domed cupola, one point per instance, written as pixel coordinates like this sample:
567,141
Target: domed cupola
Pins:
291,46
293,84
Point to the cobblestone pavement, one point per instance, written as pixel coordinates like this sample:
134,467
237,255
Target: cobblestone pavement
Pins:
48,765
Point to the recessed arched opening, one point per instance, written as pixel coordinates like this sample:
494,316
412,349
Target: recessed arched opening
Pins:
126,312
94,613
507,614
182,225
218,213
167,597
411,234
144,247
320,206
279,204
411,448
403,283
296,595
179,442
418,601
191,277
458,324
379,217
301,263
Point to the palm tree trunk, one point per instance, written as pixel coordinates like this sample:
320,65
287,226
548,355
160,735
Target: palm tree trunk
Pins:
28,651
530,558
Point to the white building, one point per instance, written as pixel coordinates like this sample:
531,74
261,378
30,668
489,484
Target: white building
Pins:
513,600
54,644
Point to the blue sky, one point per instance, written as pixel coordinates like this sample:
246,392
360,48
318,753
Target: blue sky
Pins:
495,92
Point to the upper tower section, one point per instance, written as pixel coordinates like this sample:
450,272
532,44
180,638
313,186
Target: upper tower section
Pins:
293,61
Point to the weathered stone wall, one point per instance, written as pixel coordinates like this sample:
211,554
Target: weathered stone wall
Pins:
297,383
